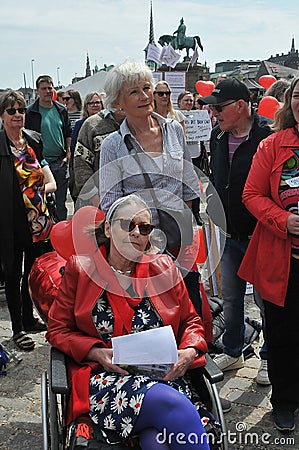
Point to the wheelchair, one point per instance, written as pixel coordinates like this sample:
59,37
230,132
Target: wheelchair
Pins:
44,281
55,392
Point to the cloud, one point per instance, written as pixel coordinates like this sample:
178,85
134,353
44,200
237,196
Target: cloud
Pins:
61,33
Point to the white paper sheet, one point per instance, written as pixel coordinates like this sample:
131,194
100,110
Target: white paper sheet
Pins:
155,346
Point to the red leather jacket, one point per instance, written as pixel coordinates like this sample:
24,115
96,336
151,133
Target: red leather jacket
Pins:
71,328
267,260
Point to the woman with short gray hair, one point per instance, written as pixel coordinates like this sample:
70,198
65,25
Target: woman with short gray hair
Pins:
148,154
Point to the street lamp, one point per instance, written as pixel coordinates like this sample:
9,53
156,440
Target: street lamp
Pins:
32,74
58,81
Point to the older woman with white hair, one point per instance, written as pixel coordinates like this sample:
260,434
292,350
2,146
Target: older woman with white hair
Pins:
148,153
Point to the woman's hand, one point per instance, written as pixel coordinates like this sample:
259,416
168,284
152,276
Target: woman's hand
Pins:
293,224
185,359
104,357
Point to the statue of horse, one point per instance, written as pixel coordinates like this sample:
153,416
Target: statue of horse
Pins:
189,42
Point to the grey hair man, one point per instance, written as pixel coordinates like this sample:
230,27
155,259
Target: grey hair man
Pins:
234,142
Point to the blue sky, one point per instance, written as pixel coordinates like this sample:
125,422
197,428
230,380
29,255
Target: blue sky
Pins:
59,33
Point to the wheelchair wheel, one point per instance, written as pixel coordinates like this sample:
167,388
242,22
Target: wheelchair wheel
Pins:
53,436
218,413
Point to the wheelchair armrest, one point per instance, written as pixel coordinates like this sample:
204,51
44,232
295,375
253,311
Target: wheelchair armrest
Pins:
212,371
58,373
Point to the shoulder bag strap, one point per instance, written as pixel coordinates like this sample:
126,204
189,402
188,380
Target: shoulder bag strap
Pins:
147,179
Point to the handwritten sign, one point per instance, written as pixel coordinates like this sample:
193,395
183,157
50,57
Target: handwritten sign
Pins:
198,125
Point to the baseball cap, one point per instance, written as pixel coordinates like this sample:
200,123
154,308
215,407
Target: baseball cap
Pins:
230,89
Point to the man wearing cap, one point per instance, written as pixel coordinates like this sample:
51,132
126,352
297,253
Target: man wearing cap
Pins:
234,141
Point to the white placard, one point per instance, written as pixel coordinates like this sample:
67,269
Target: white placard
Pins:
157,76
176,79
155,346
166,55
175,92
198,125
154,53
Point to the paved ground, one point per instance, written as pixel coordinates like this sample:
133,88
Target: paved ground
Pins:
249,423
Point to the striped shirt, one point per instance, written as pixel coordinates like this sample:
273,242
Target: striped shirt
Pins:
174,181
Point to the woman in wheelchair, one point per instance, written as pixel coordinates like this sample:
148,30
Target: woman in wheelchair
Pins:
125,288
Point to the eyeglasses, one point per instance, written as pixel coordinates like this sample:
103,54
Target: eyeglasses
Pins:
97,103
162,93
12,111
130,225
66,99
219,108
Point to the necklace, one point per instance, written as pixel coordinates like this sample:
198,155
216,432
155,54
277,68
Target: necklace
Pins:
122,272
21,141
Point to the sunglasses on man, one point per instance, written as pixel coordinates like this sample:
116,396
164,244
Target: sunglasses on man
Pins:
129,225
12,111
219,108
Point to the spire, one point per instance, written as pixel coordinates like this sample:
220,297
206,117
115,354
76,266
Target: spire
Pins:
293,45
151,38
88,71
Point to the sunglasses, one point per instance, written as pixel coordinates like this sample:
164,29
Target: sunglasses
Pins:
161,93
12,111
219,108
98,103
130,225
66,99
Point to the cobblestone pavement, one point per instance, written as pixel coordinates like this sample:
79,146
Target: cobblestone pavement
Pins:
249,422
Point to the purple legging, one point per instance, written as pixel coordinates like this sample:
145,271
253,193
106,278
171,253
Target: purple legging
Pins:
168,420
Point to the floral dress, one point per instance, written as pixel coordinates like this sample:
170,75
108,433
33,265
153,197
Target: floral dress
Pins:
115,400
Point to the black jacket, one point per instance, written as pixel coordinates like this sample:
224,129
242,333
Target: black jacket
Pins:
33,119
229,179
14,229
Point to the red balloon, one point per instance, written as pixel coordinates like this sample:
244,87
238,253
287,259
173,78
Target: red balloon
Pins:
54,95
267,80
61,238
69,237
204,88
268,106
83,242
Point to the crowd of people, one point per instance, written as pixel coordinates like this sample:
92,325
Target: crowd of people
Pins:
126,152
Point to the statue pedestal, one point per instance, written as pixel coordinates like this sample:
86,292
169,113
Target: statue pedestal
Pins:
195,73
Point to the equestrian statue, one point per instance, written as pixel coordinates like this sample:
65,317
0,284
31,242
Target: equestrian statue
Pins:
179,40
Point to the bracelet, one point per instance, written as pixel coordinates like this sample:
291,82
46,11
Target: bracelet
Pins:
197,352
43,163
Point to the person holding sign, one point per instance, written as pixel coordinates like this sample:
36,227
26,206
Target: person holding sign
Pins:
121,289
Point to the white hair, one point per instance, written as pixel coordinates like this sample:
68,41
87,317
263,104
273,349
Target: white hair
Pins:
127,72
